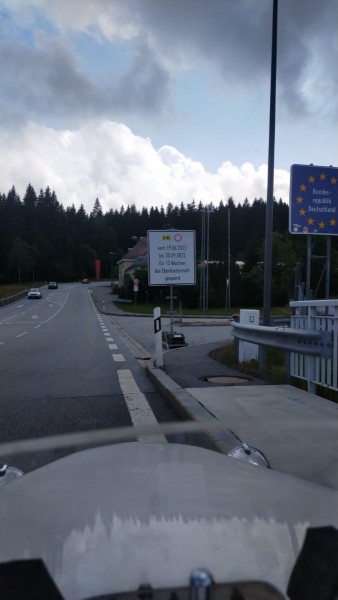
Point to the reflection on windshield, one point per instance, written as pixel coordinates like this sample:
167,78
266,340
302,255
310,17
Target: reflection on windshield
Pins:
161,509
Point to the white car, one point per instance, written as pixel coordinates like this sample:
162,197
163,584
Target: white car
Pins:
34,293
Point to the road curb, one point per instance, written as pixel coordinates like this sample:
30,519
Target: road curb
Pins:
188,407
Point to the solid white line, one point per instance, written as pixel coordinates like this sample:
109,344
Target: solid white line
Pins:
118,357
21,334
139,409
112,346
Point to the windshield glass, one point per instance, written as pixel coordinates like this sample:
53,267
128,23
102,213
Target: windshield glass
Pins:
157,458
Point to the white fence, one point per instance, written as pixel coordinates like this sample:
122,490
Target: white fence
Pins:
310,343
316,315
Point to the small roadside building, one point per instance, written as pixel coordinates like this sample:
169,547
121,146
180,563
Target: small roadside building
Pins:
136,258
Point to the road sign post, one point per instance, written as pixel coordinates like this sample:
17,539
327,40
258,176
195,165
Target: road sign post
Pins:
313,200
172,262
314,210
172,257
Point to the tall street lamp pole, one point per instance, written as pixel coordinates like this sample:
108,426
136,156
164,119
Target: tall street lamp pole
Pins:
269,198
271,163
204,289
202,277
229,256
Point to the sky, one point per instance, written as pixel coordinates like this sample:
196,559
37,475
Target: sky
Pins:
146,102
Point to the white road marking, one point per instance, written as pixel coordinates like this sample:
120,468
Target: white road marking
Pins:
34,317
21,305
21,334
63,300
2,343
112,346
109,339
106,334
37,327
9,318
118,357
139,409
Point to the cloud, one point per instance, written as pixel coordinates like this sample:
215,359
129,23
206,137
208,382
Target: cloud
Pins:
233,38
73,72
46,82
105,159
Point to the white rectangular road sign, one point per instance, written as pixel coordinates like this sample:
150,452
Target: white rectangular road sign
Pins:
171,257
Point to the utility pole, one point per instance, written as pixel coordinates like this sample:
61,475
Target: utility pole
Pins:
271,164
269,198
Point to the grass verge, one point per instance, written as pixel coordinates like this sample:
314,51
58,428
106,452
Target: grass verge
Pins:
11,289
275,363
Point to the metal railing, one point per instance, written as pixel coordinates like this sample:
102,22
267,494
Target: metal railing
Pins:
310,344
320,316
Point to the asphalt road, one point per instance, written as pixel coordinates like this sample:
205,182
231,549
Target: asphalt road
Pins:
65,367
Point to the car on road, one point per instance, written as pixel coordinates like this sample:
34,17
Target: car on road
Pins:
86,281
53,285
34,293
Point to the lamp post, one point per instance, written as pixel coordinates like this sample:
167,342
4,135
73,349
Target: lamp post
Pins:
271,163
204,289
229,256
112,254
270,184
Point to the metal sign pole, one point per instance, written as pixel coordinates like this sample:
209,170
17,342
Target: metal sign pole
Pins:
328,267
171,309
308,267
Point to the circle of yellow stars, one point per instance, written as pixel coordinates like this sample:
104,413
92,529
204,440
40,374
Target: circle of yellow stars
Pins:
299,199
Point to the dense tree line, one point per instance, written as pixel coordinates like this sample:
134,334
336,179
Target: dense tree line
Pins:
40,239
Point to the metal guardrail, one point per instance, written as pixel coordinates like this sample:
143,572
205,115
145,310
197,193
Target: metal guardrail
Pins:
312,343
14,298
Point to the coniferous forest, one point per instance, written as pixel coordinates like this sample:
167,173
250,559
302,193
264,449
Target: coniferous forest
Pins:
41,240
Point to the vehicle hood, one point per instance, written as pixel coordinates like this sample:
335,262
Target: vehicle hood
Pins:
111,518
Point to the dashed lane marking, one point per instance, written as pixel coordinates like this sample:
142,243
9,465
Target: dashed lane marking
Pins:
139,409
112,346
136,349
21,334
118,357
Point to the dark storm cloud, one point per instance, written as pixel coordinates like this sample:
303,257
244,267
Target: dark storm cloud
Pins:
231,37
47,80
235,37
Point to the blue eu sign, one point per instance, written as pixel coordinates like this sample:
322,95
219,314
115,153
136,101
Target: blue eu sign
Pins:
314,200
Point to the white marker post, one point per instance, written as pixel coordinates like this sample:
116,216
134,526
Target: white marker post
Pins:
158,337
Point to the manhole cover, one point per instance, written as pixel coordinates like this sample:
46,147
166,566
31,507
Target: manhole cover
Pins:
225,379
